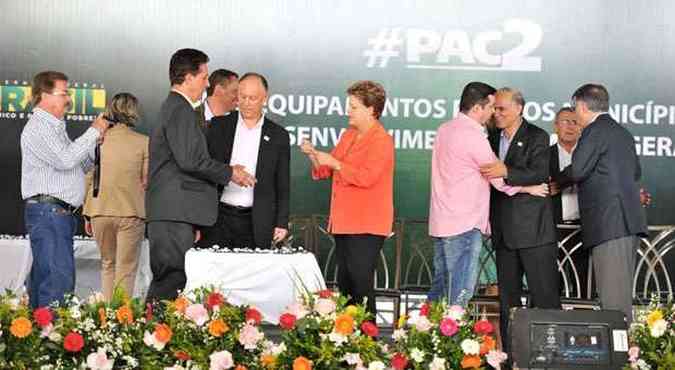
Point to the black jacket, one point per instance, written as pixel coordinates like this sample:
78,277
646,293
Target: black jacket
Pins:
182,176
271,194
523,220
606,168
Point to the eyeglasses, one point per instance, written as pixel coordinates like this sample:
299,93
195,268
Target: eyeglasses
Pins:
58,93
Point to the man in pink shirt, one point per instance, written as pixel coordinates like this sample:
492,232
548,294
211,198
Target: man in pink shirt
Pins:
460,195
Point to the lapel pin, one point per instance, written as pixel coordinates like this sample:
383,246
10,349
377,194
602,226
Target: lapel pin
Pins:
520,143
266,138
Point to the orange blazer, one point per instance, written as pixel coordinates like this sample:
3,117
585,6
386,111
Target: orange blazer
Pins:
362,195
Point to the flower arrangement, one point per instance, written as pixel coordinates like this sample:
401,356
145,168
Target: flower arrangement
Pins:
652,337
322,332
443,337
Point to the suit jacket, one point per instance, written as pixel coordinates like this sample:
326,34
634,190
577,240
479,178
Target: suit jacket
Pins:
523,220
183,177
606,168
124,166
271,194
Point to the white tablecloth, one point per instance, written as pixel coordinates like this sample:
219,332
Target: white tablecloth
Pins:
16,259
270,282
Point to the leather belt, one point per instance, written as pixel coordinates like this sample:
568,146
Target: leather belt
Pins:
42,198
236,209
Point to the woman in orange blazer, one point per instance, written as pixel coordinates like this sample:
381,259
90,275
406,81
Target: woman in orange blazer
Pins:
362,208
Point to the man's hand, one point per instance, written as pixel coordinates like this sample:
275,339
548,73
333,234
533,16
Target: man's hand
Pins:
241,177
645,197
494,170
279,234
325,159
553,187
540,190
198,235
101,125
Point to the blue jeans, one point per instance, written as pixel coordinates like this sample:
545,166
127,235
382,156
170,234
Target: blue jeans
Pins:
51,230
456,267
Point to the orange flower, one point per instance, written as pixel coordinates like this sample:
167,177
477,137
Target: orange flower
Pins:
218,327
102,317
487,344
181,304
240,367
21,327
344,324
470,362
125,315
163,333
268,360
301,363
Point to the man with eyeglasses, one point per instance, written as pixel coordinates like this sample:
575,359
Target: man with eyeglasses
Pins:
53,186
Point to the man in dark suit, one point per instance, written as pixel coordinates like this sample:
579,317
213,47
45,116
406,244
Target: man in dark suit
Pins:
181,192
607,170
523,233
566,204
258,216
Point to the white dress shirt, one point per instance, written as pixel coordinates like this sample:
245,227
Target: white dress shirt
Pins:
569,196
244,152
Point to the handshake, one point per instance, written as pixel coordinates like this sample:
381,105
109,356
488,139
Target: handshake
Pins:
241,177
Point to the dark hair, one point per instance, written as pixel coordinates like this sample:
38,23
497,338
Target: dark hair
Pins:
43,82
260,77
564,109
371,94
595,96
185,61
220,77
475,93
123,108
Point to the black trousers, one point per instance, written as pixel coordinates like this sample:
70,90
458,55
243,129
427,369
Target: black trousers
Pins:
540,268
233,229
168,243
356,256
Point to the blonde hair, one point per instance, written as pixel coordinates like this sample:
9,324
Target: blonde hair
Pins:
123,108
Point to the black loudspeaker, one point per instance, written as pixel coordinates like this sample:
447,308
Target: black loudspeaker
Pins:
573,339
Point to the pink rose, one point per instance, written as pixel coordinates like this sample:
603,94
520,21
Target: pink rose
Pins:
495,358
221,360
456,312
449,327
633,354
422,324
99,361
324,306
197,313
297,309
250,336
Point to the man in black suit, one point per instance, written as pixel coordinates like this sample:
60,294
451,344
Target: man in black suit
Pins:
606,169
565,202
523,233
251,217
181,194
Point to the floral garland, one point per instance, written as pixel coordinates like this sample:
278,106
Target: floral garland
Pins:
653,338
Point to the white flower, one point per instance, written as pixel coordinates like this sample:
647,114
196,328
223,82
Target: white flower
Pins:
55,337
46,331
437,364
352,359
642,365
399,334
337,338
150,340
456,312
376,365
99,361
75,312
658,328
417,355
96,298
14,303
470,347
277,350
221,360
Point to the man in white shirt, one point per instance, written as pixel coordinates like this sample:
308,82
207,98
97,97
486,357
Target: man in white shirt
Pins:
252,217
